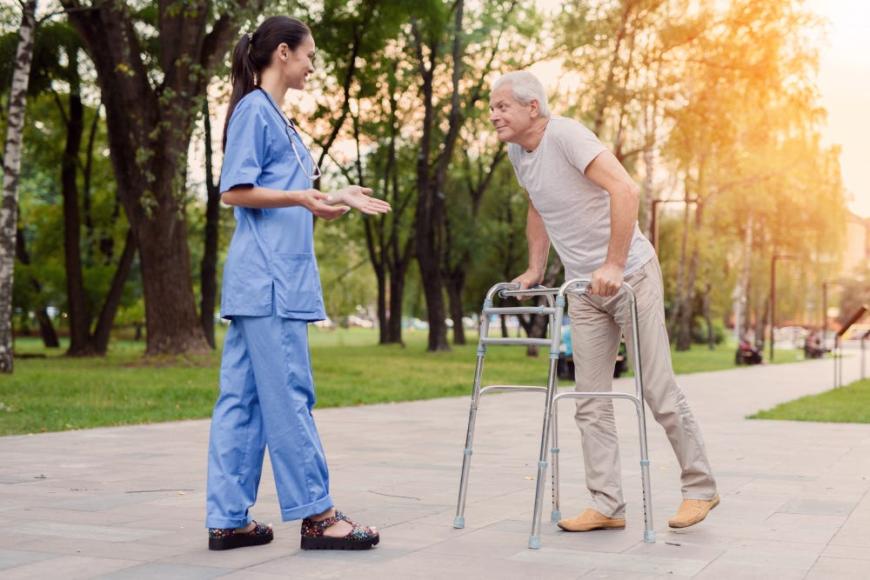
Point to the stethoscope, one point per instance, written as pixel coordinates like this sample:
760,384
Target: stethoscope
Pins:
290,126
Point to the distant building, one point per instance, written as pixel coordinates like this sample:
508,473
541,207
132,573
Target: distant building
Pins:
856,255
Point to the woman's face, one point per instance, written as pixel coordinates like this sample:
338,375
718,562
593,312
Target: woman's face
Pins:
297,64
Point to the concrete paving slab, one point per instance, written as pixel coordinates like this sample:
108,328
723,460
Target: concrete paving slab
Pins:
128,502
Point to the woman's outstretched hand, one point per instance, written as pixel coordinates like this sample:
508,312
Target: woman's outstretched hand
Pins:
320,205
359,198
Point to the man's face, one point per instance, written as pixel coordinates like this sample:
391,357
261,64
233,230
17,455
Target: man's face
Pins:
510,118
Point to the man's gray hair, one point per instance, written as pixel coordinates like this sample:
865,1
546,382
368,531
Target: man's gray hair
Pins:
526,88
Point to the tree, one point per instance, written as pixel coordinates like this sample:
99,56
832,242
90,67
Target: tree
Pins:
428,43
447,106
89,260
368,96
151,93
208,265
11,168
462,220
748,133
717,99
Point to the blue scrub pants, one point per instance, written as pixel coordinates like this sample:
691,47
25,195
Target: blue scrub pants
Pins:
266,397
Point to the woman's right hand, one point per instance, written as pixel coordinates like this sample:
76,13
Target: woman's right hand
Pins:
316,202
360,199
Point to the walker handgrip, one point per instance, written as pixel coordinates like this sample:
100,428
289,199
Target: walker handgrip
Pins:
536,291
503,311
582,285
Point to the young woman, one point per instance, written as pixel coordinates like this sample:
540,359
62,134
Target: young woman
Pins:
271,291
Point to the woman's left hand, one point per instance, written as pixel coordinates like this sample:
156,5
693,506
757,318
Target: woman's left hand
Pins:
359,198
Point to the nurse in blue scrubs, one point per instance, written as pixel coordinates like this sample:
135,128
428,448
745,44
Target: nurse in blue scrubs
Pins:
271,291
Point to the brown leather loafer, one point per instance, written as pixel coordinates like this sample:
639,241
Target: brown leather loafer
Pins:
591,520
692,511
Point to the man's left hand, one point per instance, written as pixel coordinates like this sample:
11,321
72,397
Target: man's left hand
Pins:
606,280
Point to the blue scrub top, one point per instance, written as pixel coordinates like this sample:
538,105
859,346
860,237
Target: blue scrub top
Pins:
272,250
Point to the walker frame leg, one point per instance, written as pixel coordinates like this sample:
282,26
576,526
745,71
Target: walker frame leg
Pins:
459,519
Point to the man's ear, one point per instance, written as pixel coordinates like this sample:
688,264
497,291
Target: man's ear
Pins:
534,108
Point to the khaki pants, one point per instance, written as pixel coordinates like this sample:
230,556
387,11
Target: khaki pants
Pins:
596,326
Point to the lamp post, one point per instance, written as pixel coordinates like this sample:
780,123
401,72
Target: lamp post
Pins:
773,260
824,314
654,222
826,285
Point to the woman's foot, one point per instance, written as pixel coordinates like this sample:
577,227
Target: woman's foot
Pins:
253,534
332,530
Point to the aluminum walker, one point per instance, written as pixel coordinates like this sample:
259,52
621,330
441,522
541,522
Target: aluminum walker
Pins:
555,310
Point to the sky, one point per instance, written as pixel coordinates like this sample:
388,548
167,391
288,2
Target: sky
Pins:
843,83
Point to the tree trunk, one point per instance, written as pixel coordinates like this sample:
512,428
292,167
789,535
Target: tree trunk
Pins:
79,315
747,308
82,341
46,327
455,285
208,267
100,338
708,318
383,320
681,272
687,307
760,325
433,292
171,322
397,292
430,183
456,268
87,175
508,264
604,97
11,173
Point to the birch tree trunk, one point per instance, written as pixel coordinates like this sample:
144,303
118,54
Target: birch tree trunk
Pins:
11,172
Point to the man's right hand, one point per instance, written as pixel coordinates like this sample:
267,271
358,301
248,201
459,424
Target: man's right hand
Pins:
528,279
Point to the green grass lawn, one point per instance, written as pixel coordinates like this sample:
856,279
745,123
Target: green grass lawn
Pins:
848,404
56,393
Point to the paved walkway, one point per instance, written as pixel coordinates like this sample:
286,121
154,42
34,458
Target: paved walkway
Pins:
128,502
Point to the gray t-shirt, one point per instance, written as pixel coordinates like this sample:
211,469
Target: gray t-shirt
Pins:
576,211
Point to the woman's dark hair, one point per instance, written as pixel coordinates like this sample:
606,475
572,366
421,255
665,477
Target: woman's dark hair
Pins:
253,53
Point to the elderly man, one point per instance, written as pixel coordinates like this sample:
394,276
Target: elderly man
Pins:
583,200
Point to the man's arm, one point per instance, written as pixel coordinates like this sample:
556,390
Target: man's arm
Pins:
606,172
539,250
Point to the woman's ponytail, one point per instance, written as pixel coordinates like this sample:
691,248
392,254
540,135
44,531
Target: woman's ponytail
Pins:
242,75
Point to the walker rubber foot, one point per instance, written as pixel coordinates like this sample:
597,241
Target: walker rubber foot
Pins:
649,537
555,516
535,543
459,522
